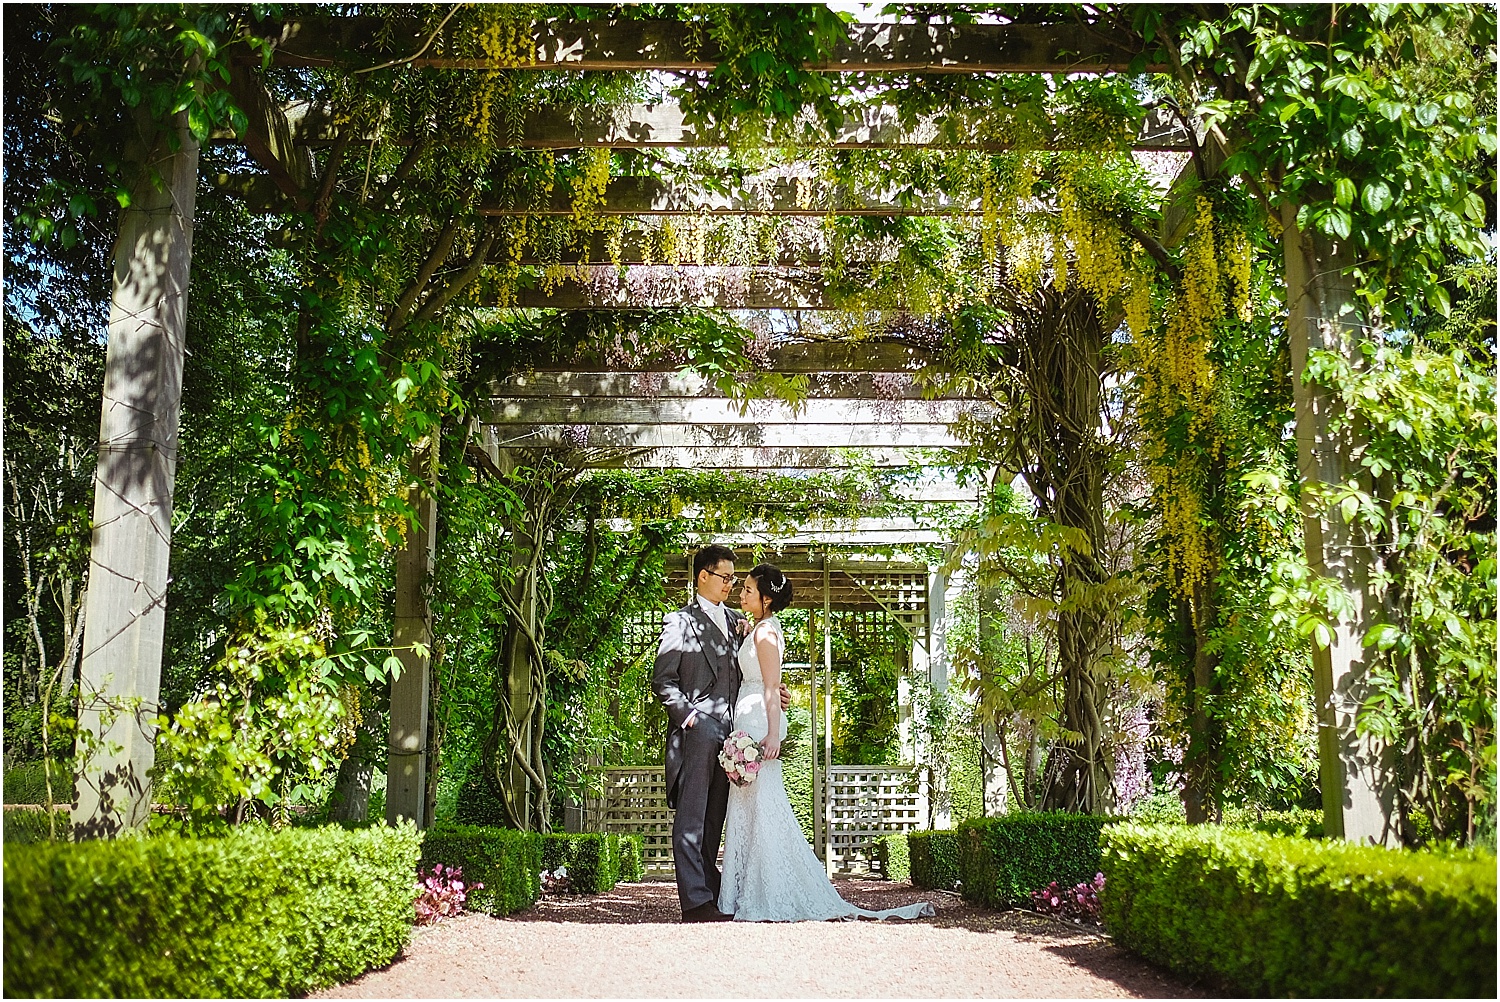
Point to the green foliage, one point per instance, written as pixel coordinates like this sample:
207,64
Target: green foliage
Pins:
761,76
507,862
478,805
254,914
936,859
1377,123
632,857
28,826
1001,860
592,859
1426,506
27,783
1267,915
892,857
271,721
123,73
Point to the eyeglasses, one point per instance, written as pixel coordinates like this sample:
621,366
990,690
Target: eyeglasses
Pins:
731,578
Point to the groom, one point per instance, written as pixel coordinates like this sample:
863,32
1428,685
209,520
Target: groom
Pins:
697,679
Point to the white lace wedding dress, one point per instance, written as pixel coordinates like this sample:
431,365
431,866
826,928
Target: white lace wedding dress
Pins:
770,872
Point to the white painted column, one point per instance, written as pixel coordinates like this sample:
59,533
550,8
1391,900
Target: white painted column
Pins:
406,762
125,608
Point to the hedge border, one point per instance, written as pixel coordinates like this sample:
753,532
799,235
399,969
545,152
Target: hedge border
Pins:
256,913
1279,915
934,859
507,862
1001,860
892,856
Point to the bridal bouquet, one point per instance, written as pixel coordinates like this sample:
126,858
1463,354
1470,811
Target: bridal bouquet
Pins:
741,758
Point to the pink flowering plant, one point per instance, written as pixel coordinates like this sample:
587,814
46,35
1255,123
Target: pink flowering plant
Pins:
741,758
1079,903
441,893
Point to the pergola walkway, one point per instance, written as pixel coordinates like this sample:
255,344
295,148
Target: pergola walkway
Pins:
629,944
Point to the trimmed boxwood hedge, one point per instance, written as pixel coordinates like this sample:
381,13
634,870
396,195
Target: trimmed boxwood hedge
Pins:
1275,915
893,857
256,913
1001,860
934,859
632,857
507,862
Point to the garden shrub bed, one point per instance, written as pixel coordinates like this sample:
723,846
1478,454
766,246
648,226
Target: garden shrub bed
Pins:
256,913
893,857
934,859
595,861
507,862
1001,860
27,825
1275,915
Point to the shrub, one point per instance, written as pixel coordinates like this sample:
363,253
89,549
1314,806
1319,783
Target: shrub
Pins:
632,857
477,803
257,913
1001,860
592,859
893,857
934,859
441,893
504,860
24,827
1079,902
27,783
1273,915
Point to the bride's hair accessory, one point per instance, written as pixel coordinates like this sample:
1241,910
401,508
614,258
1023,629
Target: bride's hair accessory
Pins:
741,758
773,584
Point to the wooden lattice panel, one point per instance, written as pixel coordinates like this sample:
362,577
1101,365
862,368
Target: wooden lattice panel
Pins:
865,802
903,595
635,802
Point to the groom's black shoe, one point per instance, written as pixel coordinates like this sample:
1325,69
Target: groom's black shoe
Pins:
707,912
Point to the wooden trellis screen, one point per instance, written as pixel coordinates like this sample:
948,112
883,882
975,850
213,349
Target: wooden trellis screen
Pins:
865,802
635,802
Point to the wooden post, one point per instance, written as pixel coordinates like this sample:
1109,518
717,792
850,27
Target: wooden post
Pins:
1358,790
991,761
406,768
827,722
120,678
820,844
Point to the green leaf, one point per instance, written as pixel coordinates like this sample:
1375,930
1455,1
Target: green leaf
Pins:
1349,507
1352,141
1376,197
392,666
1343,192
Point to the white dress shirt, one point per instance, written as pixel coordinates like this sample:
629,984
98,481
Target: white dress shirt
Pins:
716,613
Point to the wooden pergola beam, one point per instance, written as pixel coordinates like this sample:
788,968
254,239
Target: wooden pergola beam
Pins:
580,435
714,411
756,291
655,126
748,458
592,387
363,40
809,357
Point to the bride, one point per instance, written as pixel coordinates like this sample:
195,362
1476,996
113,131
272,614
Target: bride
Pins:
770,872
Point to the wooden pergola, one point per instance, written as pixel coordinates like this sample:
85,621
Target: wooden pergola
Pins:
677,423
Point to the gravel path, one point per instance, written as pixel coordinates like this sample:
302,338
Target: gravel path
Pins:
629,944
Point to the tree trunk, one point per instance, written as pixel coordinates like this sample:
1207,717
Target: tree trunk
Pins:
1359,789
350,802
120,680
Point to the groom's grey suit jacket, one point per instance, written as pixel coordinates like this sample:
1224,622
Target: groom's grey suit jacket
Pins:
696,669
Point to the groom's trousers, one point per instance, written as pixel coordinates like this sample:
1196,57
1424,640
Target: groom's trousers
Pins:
698,826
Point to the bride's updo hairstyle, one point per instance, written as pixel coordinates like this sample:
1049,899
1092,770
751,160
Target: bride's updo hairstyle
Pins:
772,584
